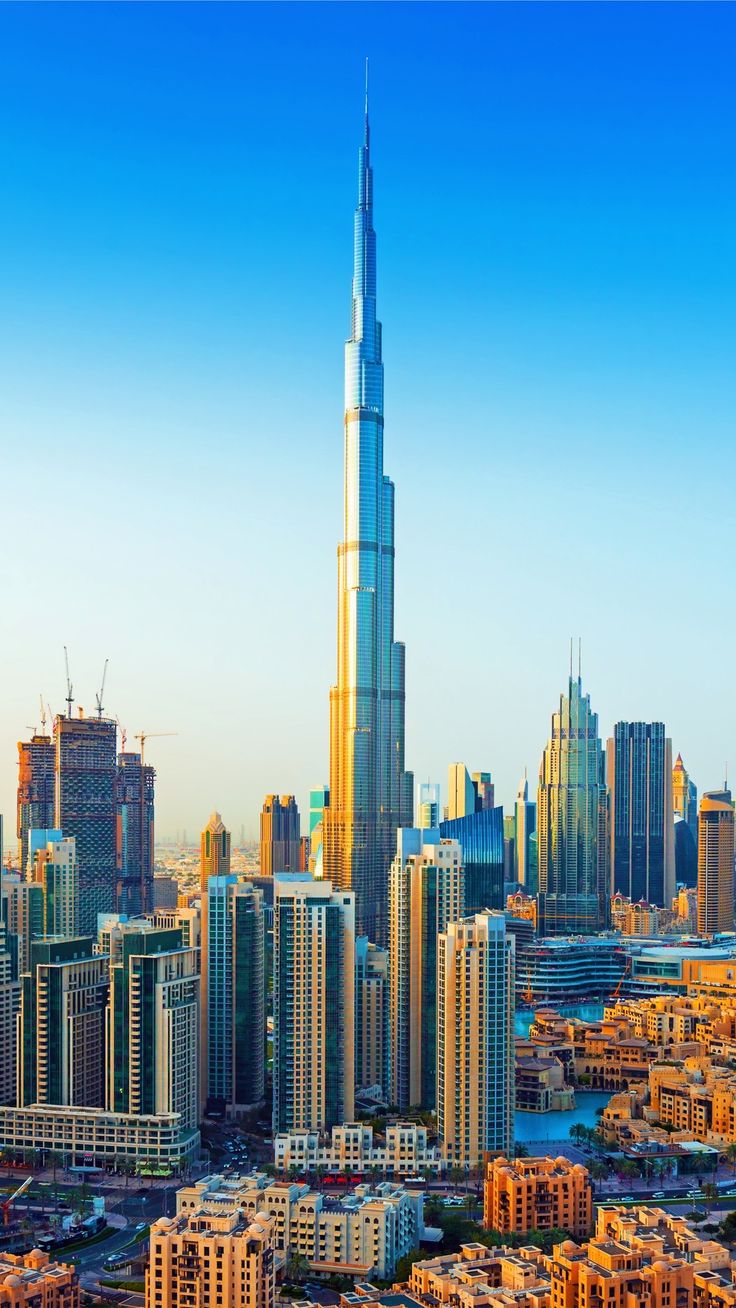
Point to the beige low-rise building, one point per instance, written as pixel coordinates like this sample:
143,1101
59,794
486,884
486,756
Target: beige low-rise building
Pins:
366,1231
33,1280
203,1258
403,1150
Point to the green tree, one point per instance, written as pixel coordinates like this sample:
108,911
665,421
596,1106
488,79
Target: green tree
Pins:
296,1268
405,1264
710,1194
598,1170
731,1155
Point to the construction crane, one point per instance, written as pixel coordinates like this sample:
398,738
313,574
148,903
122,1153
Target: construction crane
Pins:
43,714
123,734
7,1204
69,686
102,690
143,736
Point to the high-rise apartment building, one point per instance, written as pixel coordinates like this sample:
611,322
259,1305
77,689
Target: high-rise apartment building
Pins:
475,1039
236,1019
280,838
22,913
313,1004
134,814
211,1257
9,1008
642,833
715,863
55,870
35,802
481,838
426,893
371,1015
427,808
572,825
525,840
370,792
85,808
64,996
153,1024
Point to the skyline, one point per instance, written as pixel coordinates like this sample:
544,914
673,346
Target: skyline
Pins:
468,671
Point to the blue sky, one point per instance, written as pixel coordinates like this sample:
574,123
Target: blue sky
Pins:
555,208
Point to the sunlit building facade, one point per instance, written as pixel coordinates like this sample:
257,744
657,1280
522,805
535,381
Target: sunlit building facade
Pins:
642,832
715,863
572,826
370,791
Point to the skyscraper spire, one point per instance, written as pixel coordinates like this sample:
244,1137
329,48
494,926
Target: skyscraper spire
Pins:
370,793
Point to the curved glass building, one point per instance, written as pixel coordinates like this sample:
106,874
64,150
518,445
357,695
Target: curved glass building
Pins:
370,793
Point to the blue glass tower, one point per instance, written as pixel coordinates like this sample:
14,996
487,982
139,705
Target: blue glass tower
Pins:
370,793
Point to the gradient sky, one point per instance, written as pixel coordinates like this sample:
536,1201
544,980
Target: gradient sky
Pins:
555,209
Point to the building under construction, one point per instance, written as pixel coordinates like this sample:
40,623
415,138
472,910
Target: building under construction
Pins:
85,807
35,804
134,796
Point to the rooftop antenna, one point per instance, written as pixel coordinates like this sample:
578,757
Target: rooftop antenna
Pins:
366,100
102,690
571,658
69,686
580,657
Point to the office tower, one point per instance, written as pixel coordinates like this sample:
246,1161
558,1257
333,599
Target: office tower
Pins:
370,793
134,801
461,794
210,1257
35,803
153,1024
639,774
22,913
525,845
426,892
164,892
715,863
236,1018
319,800
85,808
475,1039
9,1008
572,821
313,1004
280,839
55,870
685,806
64,995
428,805
371,1015
509,851
485,791
480,836
214,846
214,861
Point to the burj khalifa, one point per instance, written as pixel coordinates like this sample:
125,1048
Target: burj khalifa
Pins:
370,792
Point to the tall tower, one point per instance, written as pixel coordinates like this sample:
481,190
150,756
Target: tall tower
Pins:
715,863
639,767
370,793
280,835
313,1004
85,808
572,820
525,845
35,804
214,861
426,893
475,1039
236,1016
134,800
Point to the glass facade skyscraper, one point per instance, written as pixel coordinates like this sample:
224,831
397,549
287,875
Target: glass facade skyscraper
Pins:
572,821
480,836
639,759
370,792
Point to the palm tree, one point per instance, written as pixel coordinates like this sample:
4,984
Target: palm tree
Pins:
710,1192
598,1170
731,1156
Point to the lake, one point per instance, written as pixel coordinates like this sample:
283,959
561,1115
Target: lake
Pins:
588,1012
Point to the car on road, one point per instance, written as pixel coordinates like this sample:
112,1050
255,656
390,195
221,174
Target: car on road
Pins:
626,1199
658,1194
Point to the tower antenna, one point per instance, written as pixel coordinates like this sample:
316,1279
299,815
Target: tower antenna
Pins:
571,658
69,686
580,657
